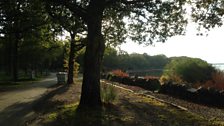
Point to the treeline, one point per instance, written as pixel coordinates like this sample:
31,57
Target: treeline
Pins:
179,69
114,59
194,72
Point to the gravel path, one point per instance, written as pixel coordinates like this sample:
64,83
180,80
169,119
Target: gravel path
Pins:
16,105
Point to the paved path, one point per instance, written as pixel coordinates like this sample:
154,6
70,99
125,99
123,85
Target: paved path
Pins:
16,105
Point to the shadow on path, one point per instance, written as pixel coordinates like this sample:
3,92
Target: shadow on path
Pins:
43,103
16,106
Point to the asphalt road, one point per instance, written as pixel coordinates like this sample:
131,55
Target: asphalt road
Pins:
16,105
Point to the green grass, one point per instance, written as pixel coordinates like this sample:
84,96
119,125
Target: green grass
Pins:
157,114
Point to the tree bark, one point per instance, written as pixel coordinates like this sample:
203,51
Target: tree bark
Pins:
71,60
90,96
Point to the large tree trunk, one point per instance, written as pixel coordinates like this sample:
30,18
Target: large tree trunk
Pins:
71,60
90,96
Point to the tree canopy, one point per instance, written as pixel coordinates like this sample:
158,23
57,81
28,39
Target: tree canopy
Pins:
142,21
208,14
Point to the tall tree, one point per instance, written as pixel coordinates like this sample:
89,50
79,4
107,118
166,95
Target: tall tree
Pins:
75,27
18,17
145,21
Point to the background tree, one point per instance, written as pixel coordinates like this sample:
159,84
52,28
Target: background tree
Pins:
117,59
17,19
27,36
76,29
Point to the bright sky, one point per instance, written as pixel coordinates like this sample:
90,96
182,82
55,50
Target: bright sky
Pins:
209,48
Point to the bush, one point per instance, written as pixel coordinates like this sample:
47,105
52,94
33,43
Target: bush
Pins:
119,73
76,69
190,70
217,80
108,93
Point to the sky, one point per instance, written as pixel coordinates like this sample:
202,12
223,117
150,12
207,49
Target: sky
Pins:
209,48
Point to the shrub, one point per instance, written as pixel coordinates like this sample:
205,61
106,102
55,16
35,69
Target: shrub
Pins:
108,93
217,80
109,76
189,70
119,73
76,69
165,79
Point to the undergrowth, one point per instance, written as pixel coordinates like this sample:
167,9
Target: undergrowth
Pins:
108,93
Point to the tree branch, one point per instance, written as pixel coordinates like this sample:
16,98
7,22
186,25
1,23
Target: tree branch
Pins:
73,7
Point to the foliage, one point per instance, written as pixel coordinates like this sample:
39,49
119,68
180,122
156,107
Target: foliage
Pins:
108,93
27,36
208,14
114,59
150,21
76,69
77,30
121,19
110,59
189,70
119,73
67,52
217,81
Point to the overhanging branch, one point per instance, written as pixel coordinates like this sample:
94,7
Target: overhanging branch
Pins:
77,10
